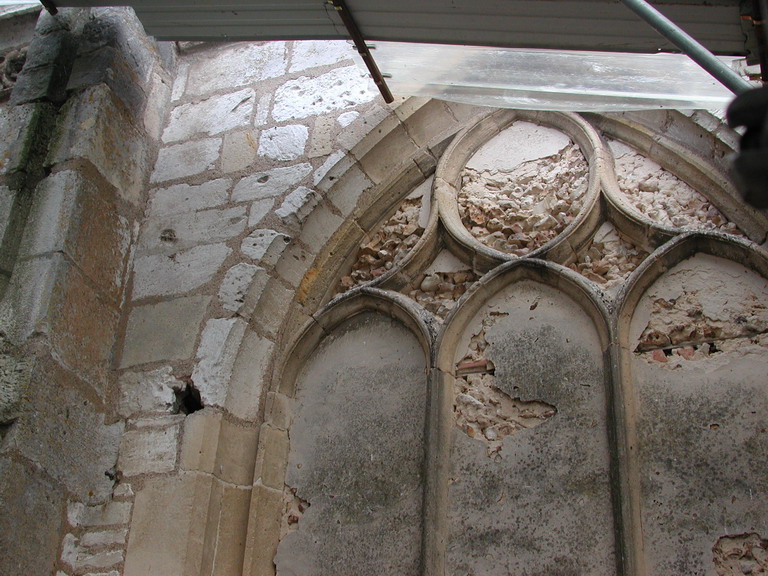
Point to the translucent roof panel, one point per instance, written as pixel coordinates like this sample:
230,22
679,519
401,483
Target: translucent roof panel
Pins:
549,79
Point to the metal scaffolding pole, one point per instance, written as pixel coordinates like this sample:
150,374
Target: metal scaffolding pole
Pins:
687,44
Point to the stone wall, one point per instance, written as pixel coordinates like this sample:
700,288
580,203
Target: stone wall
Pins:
76,151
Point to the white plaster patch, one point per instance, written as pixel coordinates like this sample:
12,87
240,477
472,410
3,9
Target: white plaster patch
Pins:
262,110
211,116
265,246
297,206
270,183
313,53
235,66
235,285
180,83
283,142
259,209
188,159
218,349
336,90
151,391
347,118
185,198
521,142
162,275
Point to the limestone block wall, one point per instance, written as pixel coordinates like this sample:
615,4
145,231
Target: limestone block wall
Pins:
75,153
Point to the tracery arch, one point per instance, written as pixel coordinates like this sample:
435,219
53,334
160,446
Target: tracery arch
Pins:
449,281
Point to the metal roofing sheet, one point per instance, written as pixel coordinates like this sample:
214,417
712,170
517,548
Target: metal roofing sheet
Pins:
555,24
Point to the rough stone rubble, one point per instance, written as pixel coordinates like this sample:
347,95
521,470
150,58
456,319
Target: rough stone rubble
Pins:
520,210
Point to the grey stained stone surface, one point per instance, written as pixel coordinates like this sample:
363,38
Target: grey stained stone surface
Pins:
146,336
356,454
30,539
17,130
543,504
186,159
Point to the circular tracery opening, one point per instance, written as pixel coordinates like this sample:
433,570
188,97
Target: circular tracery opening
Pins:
522,188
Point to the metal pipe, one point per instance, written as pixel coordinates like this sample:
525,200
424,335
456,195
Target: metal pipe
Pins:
698,53
362,49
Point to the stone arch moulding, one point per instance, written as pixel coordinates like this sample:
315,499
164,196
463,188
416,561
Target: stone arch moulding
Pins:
522,459
339,471
692,330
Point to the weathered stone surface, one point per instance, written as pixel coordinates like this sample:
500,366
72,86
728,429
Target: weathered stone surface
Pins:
283,142
148,326
169,543
17,129
236,65
173,234
184,198
83,327
297,206
211,116
70,215
143,392
157,103
103,538
322,137
235,285
336,90
314,53
265,246
329,163
96,127
259,210
62,432
7,198
239,151
164,275
187,159
24,308
30,536
148,450
248,376
200,441
15,377
219,344
347,118
371,370
273,306
270,183
109,514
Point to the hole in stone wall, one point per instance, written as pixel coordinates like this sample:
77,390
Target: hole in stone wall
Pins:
741,554
187,400
485,412
293,509
168,235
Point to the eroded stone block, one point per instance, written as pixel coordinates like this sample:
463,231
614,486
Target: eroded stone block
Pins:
219,345
270,183
313,53
283,142
297,206
165,275
184,198
235,285
152,391
211,116
17,129
239,151
265,246
187,159
341,88
163,331
148,450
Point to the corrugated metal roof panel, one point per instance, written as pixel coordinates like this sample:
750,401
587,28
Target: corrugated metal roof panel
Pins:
555,24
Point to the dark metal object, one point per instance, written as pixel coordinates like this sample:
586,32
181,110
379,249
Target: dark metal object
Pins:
50,6
687,44
362,48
